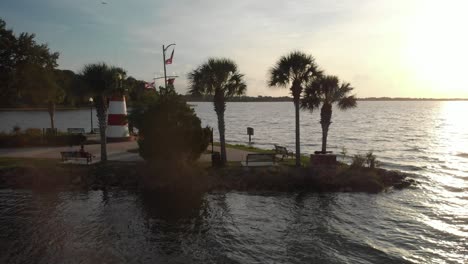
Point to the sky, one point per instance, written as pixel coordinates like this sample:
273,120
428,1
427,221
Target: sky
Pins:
398,48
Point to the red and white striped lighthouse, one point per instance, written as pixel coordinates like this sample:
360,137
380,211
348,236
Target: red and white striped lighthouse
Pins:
117,123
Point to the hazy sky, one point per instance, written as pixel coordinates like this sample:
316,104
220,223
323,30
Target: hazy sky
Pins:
407,48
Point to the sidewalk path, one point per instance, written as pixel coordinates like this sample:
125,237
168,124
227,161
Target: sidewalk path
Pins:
115,151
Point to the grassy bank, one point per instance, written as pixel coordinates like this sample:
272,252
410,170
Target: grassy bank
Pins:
305,159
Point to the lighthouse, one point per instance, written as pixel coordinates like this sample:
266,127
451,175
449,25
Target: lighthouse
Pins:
117,123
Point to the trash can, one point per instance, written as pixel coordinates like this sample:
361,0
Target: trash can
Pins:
216,159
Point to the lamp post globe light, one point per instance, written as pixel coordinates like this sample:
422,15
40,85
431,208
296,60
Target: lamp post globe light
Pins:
91,108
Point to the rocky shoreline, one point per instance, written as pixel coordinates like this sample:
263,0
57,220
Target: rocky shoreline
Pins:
138,175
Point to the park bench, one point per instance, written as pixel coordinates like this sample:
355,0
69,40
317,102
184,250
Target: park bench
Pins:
259,160
76,155
283,152
96,130
76,130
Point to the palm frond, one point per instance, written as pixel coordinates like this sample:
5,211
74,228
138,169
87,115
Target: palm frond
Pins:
347,102
295,69
218,77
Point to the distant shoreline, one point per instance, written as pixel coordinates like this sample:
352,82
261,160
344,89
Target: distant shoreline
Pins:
260,100
245,100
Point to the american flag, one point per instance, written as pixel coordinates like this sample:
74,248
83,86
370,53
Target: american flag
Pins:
149,85
169,61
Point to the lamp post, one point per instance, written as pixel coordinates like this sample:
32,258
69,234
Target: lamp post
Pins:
164,62
91,108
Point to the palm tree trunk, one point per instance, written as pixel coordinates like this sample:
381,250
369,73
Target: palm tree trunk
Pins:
325,121
324,138
222,138
101,112
298,134
51,110
220,107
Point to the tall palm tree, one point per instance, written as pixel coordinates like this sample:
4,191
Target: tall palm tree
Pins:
100,81
218,77
294,70
327,91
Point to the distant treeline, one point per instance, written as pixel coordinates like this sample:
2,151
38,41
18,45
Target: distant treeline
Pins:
261,98
410,99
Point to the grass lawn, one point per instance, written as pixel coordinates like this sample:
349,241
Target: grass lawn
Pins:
246,148
33,162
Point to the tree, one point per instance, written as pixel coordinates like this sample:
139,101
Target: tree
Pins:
218,77
40,87
327,91
18,56
136,88
294,70
100,81
170,133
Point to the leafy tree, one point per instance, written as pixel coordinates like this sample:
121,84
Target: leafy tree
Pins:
39,85
170,132
136,88
67,80
21,57
327,91
100,81
294,70
218,77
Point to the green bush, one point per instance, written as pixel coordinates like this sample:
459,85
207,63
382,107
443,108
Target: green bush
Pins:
33,132
170,132
33,137
358,161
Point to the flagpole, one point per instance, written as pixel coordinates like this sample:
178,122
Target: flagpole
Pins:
164,62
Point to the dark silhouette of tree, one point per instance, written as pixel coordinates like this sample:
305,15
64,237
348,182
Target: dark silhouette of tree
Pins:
327,91
171,133
294,70
220,78
100,81
40,87
26,66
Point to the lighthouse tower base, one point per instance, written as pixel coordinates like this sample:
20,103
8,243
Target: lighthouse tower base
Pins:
117,123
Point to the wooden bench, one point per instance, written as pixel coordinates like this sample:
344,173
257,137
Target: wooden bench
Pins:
283,152
259,160
76,130
96,130
76,155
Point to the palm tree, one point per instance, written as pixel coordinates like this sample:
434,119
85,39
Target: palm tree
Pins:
100,81
218,77
327,91
294,70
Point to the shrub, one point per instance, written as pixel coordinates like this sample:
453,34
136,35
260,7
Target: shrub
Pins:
170,132
371,160
358,161
33,132
34,137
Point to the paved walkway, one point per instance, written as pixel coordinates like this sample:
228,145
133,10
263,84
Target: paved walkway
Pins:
115,151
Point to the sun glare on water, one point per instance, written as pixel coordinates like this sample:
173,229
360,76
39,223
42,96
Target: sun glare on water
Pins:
437,47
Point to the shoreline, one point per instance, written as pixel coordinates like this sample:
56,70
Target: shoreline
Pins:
40,174
69,108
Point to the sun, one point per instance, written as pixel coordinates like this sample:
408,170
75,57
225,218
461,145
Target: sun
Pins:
437,47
